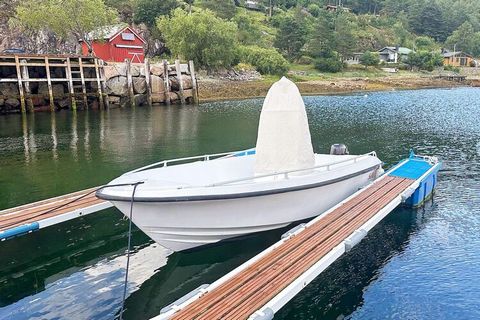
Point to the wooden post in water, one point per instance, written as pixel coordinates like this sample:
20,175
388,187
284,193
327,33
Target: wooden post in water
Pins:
68,72
26,77
20,85
166,82
128,66
82,79
180,82
103,85
99,85
148,81
49,83
191,68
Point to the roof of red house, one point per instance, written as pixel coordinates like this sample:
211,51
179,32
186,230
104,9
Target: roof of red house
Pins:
111,32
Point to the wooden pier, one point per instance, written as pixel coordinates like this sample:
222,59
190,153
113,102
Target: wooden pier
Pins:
30,82
30,217
82,75
261,286
452,77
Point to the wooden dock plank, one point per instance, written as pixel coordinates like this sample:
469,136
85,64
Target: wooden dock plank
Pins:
49,208
253,287
288,246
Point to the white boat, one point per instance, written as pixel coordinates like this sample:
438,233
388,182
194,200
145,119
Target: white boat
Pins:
222,196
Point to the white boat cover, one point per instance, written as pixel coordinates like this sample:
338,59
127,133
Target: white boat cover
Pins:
283,141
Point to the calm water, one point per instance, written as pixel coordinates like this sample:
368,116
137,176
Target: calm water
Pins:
416,264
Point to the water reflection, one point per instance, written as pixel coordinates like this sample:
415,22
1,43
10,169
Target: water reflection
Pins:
146,128
54,136
74,136
25,138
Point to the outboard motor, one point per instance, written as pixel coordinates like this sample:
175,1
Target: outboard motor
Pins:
339,149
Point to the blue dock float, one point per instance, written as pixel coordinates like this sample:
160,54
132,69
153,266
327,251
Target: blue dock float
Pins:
260,287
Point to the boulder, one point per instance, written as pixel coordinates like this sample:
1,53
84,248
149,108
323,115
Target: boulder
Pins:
38,101
111,71
2,101
114,99
186,81
117,86
139,85
9,89
158,86
135,70
158,97
156,70
173,96
140,99
188,93
64,103
57,90
12,103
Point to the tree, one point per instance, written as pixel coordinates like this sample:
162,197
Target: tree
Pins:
424,43
224,9
201,36
334,32
369,59
65,17
425,60
427,19
465,39
249,30
291,35
146,11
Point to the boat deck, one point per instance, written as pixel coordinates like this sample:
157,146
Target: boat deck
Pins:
41,214
261,286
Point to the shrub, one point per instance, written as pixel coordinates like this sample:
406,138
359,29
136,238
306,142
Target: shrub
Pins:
451,68
369,59
244,67
424,60
314,9
329,63
305,60
266,61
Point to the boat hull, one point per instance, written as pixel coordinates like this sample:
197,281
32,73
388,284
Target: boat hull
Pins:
182,225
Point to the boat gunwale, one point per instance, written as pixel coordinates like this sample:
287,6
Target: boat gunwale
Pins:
239,195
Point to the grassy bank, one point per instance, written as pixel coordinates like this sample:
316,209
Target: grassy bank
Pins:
311,82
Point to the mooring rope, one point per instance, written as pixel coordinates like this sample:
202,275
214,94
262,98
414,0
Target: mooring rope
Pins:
128,248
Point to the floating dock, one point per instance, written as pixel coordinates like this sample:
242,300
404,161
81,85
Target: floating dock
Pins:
261,286
30,217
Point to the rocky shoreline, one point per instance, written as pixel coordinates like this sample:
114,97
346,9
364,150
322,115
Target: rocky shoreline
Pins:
220,89
117,87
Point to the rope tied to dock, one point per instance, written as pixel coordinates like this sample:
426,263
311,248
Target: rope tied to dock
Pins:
135,185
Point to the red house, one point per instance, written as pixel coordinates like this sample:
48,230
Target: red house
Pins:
116,43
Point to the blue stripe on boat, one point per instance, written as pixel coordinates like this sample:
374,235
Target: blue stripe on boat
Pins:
245,153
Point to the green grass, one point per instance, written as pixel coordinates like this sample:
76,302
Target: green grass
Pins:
299,72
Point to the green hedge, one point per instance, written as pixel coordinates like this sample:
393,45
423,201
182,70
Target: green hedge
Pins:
266,61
